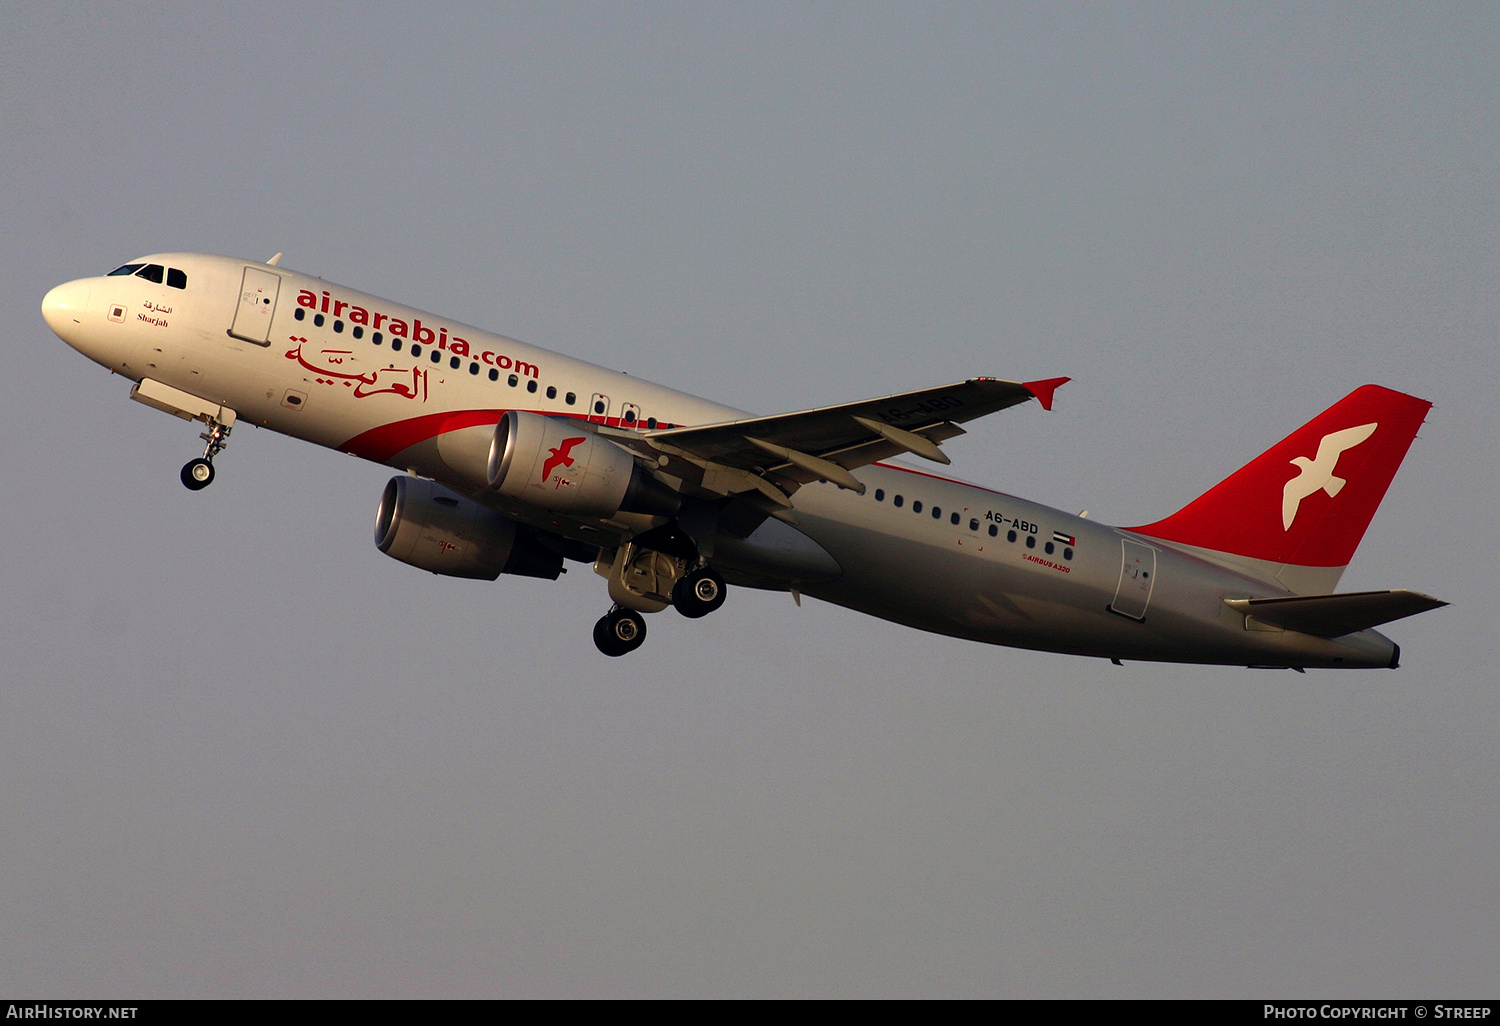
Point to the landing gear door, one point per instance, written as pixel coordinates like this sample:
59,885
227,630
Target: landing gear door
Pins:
1137,578
252,318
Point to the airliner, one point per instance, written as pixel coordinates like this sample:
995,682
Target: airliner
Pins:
517,460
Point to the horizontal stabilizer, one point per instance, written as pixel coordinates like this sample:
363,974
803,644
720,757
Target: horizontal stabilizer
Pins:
1332,616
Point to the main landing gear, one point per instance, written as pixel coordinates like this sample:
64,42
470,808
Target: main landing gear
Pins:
620,631
199,473
697,593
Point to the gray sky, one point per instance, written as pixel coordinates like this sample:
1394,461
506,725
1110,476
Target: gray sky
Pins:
246,754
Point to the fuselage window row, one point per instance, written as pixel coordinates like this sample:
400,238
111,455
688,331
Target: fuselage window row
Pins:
956,519
455,362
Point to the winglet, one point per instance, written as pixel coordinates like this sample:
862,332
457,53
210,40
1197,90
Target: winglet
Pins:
1043,389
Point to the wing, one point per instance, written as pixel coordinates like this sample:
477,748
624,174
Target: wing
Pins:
775,455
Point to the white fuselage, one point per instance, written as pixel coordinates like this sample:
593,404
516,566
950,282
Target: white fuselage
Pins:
421,393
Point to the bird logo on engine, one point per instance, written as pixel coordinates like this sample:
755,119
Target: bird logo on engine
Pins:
560,456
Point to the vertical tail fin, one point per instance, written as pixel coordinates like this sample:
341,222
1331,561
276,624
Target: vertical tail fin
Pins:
1305,502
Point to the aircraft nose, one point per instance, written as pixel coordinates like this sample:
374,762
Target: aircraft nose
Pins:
63,308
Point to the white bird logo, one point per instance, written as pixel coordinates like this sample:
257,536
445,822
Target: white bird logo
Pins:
1318,471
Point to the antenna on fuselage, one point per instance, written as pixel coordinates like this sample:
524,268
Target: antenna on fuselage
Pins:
274,260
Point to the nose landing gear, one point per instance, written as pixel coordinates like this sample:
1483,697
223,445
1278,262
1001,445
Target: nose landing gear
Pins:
199,473
220,419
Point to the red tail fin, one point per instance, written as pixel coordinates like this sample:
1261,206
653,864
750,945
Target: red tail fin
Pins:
1307,500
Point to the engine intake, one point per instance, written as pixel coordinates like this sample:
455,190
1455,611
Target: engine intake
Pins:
565,467
423,524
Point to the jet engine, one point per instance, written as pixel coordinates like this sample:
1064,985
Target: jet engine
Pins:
423,524
564,466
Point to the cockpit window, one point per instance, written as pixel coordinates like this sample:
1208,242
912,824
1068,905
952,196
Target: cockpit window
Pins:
152,272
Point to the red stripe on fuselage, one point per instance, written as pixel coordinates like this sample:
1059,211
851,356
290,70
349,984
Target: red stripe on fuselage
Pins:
381,443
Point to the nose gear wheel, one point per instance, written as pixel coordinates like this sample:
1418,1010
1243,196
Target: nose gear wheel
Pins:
199,473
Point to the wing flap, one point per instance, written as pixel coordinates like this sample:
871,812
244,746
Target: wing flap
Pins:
1332,616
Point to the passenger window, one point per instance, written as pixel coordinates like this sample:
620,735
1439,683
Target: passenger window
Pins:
570,398
551,391
512,381
880,495
151,272
299,313
176,279
454,362
994,531
630,416
494,374
474,368
937,513
375,338
954,520
317,320
338,327
531,386
916,505
897,501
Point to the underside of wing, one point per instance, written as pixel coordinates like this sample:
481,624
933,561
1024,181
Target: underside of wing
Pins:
775,455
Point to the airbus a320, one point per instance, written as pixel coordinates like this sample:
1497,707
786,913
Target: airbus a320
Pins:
516,460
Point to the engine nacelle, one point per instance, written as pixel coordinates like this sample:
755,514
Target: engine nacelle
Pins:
563,466
423,524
